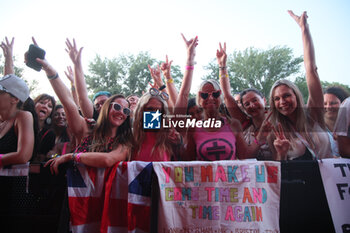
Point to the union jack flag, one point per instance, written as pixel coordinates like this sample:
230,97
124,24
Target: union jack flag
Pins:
108,200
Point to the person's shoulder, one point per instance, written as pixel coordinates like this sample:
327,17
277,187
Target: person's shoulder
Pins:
24,115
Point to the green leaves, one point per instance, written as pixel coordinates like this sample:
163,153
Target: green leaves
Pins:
125,74
258,68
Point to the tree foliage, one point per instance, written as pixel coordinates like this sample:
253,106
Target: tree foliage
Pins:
301,83
258,68
124,74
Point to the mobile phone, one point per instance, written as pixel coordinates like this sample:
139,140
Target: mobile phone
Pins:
33,53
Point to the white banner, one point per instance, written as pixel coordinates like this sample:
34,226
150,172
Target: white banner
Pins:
15,170
220,196
336,181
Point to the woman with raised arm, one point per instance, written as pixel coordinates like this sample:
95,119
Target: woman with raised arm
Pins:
18,123
230,102
109,141
302,125
222,140
252,102
249,109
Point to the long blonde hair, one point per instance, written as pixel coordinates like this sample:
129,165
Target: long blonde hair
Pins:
162,141
303,120
103,129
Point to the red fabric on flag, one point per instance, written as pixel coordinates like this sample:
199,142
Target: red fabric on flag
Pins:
138,217
100,198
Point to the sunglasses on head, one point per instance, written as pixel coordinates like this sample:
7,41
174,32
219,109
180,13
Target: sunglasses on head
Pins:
155,92
118,107
205,95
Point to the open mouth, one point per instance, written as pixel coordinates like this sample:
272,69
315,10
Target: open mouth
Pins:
42,113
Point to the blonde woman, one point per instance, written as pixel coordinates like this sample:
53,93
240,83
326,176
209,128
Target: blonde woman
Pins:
153,145
302,125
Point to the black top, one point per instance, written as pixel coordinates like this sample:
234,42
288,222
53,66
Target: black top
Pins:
8,143
47,139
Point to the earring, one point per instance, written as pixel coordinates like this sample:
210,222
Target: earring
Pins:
48,120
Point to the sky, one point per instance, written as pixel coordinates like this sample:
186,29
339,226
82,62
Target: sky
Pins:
111,28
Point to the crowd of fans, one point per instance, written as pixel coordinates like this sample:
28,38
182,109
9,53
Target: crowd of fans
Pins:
110,128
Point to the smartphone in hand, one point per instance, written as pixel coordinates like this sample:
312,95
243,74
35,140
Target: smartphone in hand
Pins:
33,53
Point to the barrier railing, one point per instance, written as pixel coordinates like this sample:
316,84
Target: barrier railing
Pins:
44,208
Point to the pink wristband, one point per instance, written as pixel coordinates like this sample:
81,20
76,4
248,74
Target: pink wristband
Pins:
77,158
1,160
189,67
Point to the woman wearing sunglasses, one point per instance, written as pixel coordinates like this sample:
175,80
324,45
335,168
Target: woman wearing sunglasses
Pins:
153,145
216,143
109,141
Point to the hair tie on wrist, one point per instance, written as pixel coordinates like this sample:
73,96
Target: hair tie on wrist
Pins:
162,87
52,77
222,67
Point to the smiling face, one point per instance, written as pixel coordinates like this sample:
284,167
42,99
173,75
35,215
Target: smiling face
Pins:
211,103
284,100
99,101
59,118
43,108
253,104
331,106
117,117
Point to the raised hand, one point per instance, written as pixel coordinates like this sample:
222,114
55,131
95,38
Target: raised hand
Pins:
191,49
155,74
301,20
165,67
70,75
221,55
7,47
50,71
73,52
281,143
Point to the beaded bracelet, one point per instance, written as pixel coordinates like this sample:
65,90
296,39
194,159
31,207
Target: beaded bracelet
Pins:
170,80
222,67
189,67
223,76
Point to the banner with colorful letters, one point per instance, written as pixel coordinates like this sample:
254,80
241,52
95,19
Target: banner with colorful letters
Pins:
221,196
